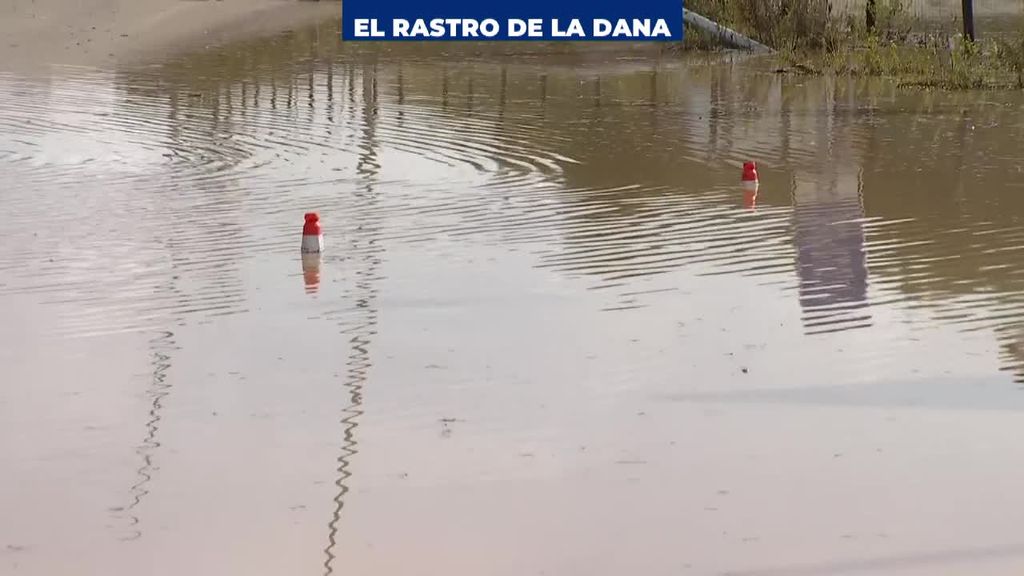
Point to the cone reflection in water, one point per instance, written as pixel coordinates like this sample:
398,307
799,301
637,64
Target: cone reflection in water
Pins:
750,194
311,272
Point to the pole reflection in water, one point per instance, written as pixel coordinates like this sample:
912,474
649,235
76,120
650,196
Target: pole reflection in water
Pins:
365,251
161,346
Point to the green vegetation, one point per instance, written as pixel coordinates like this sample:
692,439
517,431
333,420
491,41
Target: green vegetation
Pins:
810,38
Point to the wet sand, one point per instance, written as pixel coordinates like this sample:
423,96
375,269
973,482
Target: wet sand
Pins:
549,334
37,33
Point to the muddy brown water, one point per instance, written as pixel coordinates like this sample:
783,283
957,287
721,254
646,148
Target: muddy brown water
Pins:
548,335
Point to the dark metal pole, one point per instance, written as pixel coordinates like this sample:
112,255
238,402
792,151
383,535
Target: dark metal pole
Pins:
870,16
968,6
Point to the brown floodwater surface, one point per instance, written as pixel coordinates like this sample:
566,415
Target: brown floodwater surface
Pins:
548,335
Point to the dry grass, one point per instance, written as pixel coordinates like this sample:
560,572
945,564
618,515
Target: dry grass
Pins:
810,37
778,23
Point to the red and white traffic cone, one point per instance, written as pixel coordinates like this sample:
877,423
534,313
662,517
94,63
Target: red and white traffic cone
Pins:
749,175
750,184
312,237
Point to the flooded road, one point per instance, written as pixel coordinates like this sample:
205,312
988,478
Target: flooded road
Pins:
548,334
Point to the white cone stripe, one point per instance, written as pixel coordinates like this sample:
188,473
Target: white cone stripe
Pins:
312,244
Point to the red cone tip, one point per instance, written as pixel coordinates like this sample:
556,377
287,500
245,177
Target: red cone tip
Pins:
312,226
749,171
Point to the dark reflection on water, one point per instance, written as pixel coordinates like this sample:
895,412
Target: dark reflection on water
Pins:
367,249
1012,350
830,257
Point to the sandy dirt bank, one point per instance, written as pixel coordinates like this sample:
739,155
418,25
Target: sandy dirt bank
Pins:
36,33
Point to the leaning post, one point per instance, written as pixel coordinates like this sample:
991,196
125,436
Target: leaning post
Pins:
968,9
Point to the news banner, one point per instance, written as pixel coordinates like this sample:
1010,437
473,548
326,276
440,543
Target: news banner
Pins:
459,20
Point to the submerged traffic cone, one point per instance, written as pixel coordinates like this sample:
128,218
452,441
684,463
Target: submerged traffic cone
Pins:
750,184
749,175
312,237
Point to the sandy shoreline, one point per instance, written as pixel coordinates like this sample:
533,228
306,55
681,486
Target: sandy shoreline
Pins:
37,33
